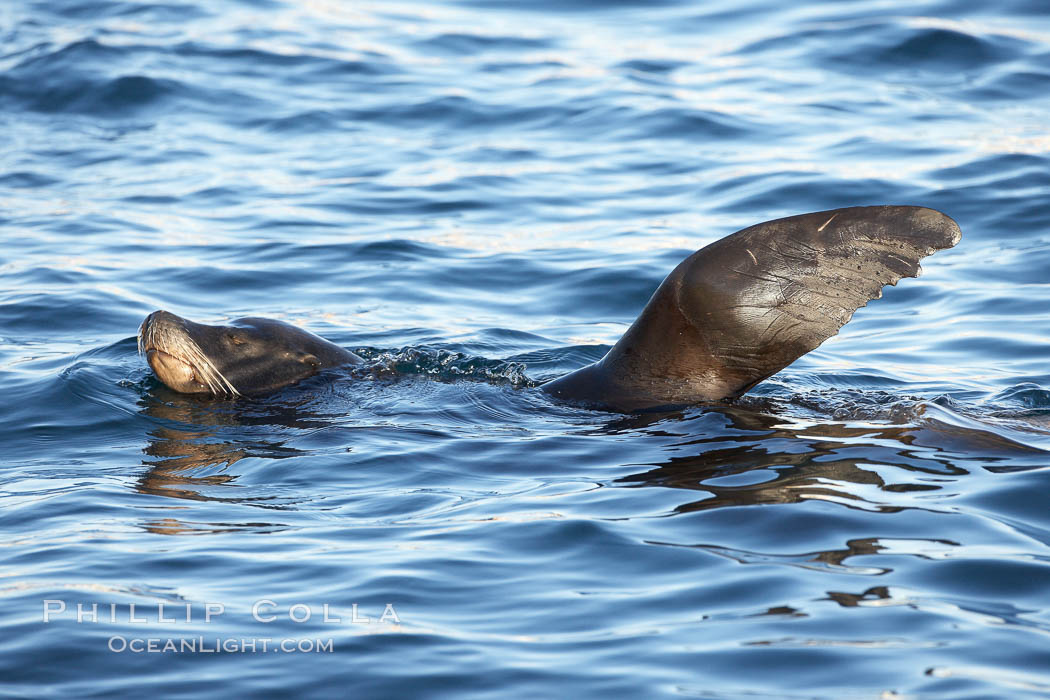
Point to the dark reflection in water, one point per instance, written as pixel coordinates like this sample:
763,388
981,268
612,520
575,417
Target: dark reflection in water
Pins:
792,461
196,442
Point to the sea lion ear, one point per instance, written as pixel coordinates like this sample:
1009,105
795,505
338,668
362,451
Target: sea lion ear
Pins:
309,359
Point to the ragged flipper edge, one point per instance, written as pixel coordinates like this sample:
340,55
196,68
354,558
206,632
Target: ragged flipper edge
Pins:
748,305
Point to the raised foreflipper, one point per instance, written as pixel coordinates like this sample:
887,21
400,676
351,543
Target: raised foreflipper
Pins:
748,305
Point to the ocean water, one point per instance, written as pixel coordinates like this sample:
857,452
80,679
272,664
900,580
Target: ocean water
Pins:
479,196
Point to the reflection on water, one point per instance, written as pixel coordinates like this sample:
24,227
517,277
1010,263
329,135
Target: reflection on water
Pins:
759,458
755,453
195,444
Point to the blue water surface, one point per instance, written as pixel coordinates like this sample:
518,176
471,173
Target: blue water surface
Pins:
478,196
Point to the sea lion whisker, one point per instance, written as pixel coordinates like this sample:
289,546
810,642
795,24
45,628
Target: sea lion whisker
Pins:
206,370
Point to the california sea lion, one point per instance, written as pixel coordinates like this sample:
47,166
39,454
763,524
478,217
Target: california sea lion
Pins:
730,315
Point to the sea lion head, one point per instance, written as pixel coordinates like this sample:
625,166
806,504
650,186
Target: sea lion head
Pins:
247,357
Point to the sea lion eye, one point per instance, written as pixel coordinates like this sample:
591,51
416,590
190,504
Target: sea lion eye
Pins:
235,339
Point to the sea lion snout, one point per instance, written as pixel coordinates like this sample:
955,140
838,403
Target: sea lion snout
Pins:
173,371
170,350
181,355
